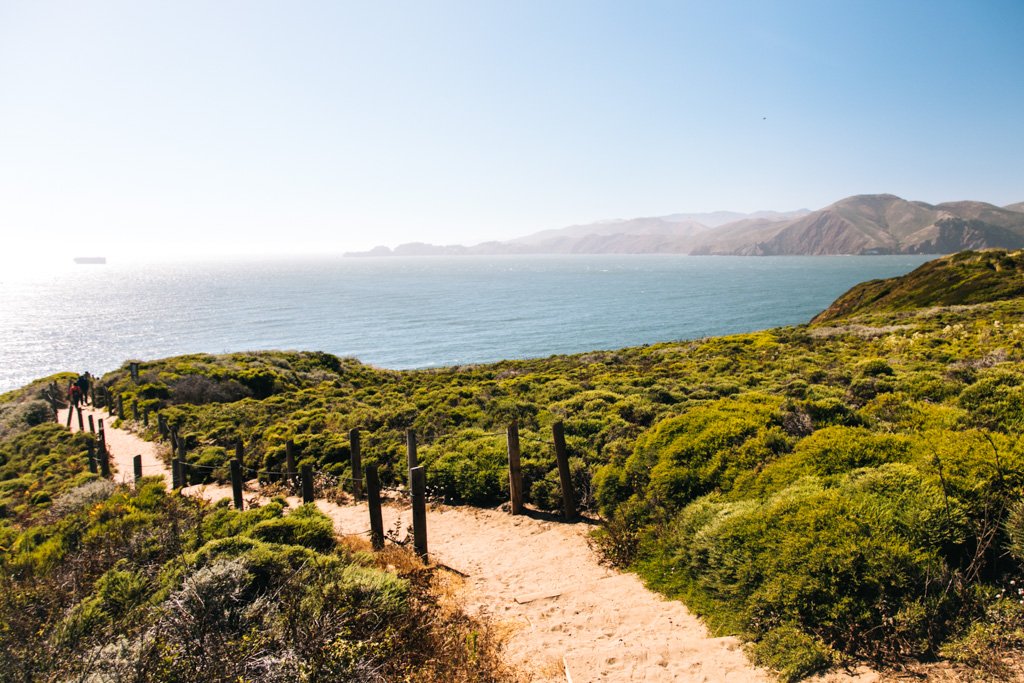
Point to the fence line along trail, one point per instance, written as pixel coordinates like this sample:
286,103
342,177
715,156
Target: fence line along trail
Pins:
567,617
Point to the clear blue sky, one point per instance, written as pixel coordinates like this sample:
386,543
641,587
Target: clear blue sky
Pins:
322,126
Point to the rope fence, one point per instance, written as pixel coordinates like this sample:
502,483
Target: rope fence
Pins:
361,483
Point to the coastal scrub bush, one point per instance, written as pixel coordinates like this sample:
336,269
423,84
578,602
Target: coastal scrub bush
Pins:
306,526
995,401
683,457
471,466
199,389
792,653
853,566
835,450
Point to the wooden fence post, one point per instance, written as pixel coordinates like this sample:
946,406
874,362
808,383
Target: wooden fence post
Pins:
92,424
182,462
418,477
104,459
515,471
236,483
81,426
410,449
135,410
175,472
239,451
71,411
289,461
137,466
161,425
357,463
568,497
373,502
307,483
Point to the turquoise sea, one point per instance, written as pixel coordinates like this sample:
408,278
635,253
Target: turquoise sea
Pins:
405,312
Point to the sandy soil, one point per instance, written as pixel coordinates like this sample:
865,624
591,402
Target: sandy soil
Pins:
567,617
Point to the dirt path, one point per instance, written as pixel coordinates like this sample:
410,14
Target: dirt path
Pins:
568,617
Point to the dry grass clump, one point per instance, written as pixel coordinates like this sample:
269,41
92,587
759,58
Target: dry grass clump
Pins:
461,648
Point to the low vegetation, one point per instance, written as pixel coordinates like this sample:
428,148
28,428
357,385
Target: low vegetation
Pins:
107,583
843,491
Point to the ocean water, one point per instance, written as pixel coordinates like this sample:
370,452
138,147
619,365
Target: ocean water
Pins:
405,312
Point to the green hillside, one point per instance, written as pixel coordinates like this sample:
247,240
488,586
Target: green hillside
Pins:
832,493
970,277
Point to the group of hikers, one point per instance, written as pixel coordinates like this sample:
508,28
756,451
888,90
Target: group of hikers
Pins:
78,391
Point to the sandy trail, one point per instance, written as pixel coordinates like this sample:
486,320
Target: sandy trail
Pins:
567,617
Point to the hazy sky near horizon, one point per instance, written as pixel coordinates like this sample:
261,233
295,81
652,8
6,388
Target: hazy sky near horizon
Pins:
249,126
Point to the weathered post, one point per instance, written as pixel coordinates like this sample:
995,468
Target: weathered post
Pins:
410,449
236,483
92,457
145,416
418,477
564,475
137,466
307,483
71,411
92,424
289,461
135,410
81,426
104,458
175,473
373,502
182,462
120,406
515,470
357,463
239,452
161,425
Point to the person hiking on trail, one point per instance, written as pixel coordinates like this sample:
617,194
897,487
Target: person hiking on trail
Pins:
83,386
75,395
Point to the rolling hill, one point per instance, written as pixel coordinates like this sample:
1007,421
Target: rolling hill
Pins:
862,224
961,279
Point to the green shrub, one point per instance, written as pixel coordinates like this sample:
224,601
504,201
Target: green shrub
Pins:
995,402
307,527
835,450
684,457
849,565
791,653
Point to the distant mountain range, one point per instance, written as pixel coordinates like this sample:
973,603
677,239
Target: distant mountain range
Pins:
862,224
